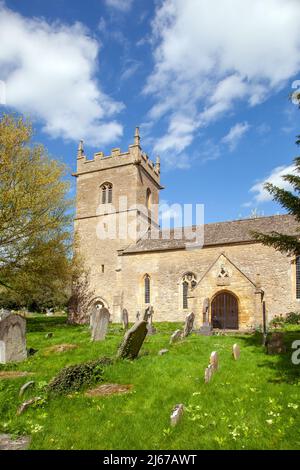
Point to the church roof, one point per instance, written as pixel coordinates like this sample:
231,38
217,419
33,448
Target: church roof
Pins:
221,233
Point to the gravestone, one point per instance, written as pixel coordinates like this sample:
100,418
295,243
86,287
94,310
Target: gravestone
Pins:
148,317
214,360
162,352
275,344
188,326
125,318
176,336
99,320
236,351
12,338
176,414
208,373
133,341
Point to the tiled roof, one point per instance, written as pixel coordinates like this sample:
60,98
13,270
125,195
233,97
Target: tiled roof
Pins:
222,233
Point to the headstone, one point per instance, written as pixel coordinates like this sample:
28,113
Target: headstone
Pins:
48,335
236,351
176,414
176,336
133,341
162,352
49,312
214,360
275,344
100,320
12,338
25,387
189,323
208,373
125,318
148,317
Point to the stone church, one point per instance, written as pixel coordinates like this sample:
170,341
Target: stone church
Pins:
230,276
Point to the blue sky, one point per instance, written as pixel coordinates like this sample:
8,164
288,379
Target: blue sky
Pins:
210,96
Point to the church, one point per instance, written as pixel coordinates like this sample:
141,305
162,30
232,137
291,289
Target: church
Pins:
230,276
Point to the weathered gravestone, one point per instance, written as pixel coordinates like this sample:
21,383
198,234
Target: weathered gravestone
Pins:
12,338
275,344
133,341
208,373
176,336
99,321
125,318
214,360
148,317
189,323
236,351
176,414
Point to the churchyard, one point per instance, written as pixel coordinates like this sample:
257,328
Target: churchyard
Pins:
251,401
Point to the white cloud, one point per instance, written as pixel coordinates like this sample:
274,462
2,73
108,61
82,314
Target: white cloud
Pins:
122,5
208,55
275,177
235,134
49,71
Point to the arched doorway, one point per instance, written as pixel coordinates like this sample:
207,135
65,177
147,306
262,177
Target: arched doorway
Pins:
224,311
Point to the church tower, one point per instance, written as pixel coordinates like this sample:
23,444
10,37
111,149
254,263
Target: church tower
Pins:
116,204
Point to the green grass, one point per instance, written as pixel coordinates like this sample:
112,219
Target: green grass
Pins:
252,403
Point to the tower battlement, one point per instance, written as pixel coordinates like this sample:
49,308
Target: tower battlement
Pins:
117,158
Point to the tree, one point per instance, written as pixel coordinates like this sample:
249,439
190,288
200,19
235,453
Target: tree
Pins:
35,235
290,200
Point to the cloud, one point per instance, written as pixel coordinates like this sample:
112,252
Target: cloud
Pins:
275,177
235,134
49,71
208,56
122,5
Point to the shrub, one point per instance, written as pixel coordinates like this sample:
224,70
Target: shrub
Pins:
293,318
73,378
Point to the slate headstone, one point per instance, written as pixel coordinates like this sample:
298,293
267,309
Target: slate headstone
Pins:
12,338
133,341
99,320
189,323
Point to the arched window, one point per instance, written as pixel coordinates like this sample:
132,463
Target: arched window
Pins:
106,193
147,288
188,282
185,290
298,277
148,199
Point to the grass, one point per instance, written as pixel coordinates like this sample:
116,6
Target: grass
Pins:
252,403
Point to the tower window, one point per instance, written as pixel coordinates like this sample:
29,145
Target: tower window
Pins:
106,193
147,288
148,199
298,277
102,268
185,290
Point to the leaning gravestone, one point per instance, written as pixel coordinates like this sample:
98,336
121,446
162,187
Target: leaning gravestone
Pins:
176,336
133,341
125,318
236,351
99,320
176,414
208,373
12,338
189,323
